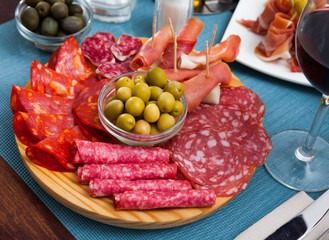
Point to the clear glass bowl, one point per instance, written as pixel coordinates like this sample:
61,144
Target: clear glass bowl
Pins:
130,138
50,44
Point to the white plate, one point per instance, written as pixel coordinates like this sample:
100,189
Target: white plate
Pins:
250,10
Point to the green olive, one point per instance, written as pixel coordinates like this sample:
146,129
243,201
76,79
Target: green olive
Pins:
154,129
299,6
175,88
59,10
32,3
68,2
165,122
113,109
140,79
79,15
111,99
49,27
135,106
126,122
124,93
75,8
124,82
156,77
151,113
155,92
142,127
166,102
150,102
178,109
142,90
71,24
43,9
30,18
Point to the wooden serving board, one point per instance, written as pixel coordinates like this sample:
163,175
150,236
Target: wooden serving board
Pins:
63,186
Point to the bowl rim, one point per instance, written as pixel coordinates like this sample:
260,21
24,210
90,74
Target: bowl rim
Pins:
134,136
19,24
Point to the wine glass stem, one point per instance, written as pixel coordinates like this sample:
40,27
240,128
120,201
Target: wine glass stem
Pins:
305,153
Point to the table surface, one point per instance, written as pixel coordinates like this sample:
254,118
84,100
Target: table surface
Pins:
29,211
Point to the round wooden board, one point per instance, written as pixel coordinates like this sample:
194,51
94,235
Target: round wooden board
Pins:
63,186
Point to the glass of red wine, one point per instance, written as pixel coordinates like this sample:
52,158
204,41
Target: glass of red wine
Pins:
300,159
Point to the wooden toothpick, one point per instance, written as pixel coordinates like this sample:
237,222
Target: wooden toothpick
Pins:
213,37
207,60
153,32
175,52
171,27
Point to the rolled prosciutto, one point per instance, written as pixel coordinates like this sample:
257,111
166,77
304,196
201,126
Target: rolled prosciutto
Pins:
154,199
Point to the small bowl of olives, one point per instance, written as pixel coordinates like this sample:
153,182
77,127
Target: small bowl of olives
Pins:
48,23
142,108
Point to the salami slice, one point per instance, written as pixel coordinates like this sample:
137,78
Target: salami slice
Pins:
85,112
26,100
174,199
96,50
107,187
99,152
125,47
107,38
30,128
111,70
89,172
56,152
69,61
48,81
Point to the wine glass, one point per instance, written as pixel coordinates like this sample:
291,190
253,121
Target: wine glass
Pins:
300,159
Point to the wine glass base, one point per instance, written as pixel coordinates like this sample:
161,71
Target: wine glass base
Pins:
286,168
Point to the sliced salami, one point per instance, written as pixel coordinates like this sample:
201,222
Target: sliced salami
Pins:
95,49
85,112
27,100
89,172
30,128
125,47
99,152
45,80
110,70
69,61
107,187
154,199
56,152
107,38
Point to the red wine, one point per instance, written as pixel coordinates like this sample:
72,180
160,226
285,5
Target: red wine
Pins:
312,45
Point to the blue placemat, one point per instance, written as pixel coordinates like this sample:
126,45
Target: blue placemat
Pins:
288,106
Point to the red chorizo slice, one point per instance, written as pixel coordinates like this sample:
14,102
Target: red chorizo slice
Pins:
56,152
107,187
30,128
154,199
129,171
125,47
85,112
100,152
95,49
27,100
45,80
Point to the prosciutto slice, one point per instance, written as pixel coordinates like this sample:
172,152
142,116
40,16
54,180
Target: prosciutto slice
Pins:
148,54
186,40
226,50
276,43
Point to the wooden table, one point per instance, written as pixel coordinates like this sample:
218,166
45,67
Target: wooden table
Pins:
22,213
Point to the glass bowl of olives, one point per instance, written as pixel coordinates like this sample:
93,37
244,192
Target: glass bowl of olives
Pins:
48,23
139,111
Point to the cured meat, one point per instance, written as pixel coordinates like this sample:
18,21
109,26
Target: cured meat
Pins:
226,50
174,199
69,61
111,70
85,112
98,152
89,172
263,21
181,74
26,100
48,81
186,40
198,87
107,187
30,128
94,48
56,152
276,43
148,54
125,47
